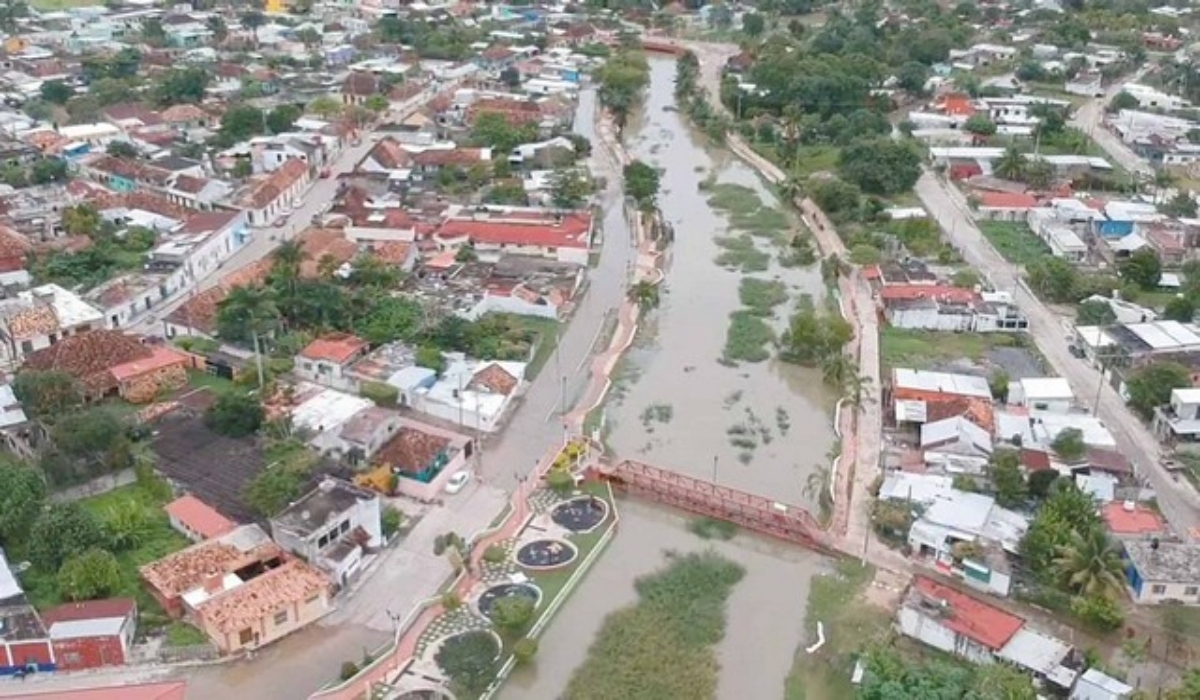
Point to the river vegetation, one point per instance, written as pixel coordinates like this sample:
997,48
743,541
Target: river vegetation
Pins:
622,79
662,647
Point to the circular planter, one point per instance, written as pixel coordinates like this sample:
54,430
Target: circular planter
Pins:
488,598
580,515
541,555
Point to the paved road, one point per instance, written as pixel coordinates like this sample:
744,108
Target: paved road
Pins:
1089,118
1178,501
536,425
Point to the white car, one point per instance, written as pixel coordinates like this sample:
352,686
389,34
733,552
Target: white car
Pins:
458,482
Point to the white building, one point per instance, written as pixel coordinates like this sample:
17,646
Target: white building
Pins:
1051,394
1152,98
1179,420
332,527
1061,238
1094,684
39,318
473,394
956,445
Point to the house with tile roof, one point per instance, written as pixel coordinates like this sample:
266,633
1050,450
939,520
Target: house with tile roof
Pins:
106,362
40,317
198,315
196,520
954,622
239,588
14,254
472,393
271,196
327,360
422,457
497,231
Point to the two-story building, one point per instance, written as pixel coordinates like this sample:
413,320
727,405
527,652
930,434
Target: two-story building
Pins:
1179,420
332,527
272,196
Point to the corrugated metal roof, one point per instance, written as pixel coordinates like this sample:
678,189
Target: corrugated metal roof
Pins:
1040,654
100,627
942,382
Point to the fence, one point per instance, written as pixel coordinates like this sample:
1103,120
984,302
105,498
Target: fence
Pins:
95,487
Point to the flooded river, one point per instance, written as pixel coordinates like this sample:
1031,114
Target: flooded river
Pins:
676,408
679,407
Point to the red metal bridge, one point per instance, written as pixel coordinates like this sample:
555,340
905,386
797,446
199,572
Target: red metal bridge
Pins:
663,46
756,513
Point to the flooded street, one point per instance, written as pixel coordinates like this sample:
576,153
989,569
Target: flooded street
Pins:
679,407
772,596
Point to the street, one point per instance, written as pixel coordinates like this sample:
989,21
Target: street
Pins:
1089,117
1176,499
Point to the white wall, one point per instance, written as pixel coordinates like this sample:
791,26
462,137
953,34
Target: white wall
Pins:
916,625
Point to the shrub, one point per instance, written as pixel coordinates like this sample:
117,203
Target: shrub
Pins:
382,394
451,601
349,670
524,650
391,520
470,662
494,554
512,614
1098,612
92,574
560,481
235,415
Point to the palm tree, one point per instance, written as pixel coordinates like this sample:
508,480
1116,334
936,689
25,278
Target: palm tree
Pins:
1090,565
816,485
1010,165
285,270
837,369
253,309
645,294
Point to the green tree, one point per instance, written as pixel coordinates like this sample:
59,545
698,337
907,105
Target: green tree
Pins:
377,104
469,660
1067,510
641,183
753,24
153,33
1180,308
61,531
1150,386
1182,205
880,166
21,500
1095,313
1011,164
569,188
645,294
248,311
273,488
1123,100
240,122
1143,268
525,650
219,30
1098,612
912,76
182,86
1041,482
325,107
1054,279
310,37
1004,470
494,131
282,118
253,20
235,414
513,614
1069,444
622,80
48,170
1090,565
121,149
94,438
56,92
47,395
430,357
812,336
91,574
980,125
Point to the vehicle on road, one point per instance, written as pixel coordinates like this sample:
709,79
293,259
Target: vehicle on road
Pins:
325,173
280,222
457,482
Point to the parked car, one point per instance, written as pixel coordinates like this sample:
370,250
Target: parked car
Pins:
457,482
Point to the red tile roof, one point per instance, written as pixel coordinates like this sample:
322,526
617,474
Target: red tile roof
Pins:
89,357
160,357
448,156
1006,200
957,104
167,690
968,616
572,232
1035,460
199,517
338,348
276,183
89,610
1139,521
903,292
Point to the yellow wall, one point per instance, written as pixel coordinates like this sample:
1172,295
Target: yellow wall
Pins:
275,6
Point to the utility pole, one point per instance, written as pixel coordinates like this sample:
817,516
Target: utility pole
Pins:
714,476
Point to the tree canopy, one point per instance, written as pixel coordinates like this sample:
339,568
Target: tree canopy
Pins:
1150,386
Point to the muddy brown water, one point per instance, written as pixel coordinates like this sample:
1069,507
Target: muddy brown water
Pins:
675,364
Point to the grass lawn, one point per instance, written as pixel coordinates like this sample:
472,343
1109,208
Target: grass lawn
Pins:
158,540
849,626
54,5
663,646
1014,240
552,582
204,380
920,349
